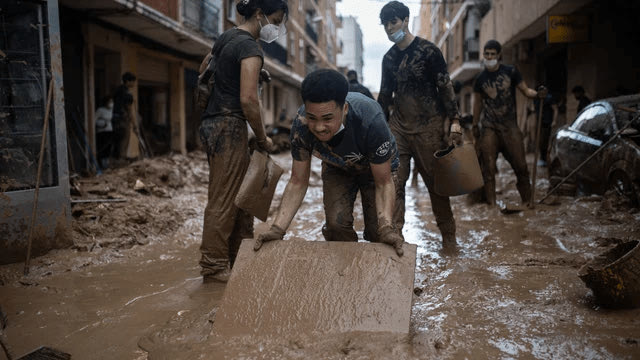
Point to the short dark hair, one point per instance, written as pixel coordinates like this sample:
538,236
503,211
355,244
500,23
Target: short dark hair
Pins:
324,85
393,9
247,8
352,73
105,100
578,89
126,77
493,44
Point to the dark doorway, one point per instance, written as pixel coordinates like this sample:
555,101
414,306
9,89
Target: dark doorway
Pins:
153,100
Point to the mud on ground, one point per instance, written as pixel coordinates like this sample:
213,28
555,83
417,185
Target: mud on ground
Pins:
130,288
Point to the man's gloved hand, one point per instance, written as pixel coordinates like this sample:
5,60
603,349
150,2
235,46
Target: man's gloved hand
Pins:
455,134
265,144
542,91
388,235
275,233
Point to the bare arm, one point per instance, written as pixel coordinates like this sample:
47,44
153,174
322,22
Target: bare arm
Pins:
526,91
249,73
385,192
293,194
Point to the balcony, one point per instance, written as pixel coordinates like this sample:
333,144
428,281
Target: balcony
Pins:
471,49
275,51
202,16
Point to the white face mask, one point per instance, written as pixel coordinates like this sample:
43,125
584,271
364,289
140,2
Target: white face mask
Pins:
397,36
270,32
490,63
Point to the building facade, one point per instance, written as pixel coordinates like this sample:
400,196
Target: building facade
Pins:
350,37
85,47
30,96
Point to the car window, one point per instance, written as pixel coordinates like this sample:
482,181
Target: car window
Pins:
594,121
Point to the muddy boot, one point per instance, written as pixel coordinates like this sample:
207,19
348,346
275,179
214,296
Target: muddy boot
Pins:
448,231
214,270
221,276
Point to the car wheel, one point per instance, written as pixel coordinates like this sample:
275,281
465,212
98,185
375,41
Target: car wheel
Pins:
622,184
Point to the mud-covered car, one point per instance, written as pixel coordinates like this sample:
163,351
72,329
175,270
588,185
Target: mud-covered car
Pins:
617,167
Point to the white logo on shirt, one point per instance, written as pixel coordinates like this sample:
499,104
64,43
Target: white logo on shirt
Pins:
353,158
383,149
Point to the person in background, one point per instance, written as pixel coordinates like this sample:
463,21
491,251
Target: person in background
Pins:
549,119
104,131
355,86
583,100
495,99
417,96
223,131
122,102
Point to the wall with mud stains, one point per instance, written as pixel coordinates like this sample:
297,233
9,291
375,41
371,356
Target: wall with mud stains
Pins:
52,223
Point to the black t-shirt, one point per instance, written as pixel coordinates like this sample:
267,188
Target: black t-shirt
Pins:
355,86
233,46
122,98
547,109
583,102
416,82
365,139
498,90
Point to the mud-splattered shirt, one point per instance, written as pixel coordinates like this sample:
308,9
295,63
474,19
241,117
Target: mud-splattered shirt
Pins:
498,91
235,45
365,139
415,81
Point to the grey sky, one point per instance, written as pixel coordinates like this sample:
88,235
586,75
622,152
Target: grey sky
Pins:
374,39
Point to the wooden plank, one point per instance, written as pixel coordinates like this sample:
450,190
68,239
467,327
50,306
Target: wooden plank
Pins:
317,287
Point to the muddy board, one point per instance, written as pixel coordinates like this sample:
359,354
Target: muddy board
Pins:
317,287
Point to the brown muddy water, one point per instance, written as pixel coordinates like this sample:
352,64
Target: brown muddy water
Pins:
130,288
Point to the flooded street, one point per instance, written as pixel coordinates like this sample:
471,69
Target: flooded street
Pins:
130,288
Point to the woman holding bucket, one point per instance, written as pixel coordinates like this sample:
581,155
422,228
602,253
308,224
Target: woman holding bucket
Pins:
234,103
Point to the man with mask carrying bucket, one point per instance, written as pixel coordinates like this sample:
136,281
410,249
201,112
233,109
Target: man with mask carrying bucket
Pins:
416,85
496,101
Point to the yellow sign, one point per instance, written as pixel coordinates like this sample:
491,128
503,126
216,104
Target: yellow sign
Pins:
567,28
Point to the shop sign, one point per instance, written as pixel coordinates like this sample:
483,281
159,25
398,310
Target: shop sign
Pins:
568,28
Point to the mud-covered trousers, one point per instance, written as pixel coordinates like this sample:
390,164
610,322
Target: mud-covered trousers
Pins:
505,139
421,146
226,142
340,189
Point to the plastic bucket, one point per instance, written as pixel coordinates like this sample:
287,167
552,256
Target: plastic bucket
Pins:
457,171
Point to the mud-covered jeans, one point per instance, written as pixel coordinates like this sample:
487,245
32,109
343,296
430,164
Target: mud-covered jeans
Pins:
420,147
508,141
340,189
226,142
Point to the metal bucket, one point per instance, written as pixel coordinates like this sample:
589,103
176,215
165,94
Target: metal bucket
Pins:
457,171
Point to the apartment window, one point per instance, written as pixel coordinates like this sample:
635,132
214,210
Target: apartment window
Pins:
301,50
231,10
435,28
292,44
202,16
449,45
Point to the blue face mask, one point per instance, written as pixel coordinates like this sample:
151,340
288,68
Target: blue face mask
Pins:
397,36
